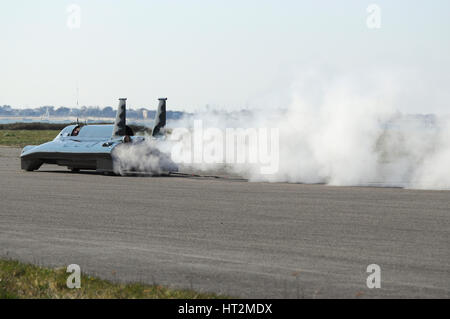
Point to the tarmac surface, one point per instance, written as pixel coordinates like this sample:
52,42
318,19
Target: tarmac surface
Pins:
227,235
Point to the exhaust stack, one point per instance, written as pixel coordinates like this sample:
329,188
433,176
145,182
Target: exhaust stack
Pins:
120,123
160,117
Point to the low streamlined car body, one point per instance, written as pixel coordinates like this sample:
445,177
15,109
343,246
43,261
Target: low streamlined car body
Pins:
91,147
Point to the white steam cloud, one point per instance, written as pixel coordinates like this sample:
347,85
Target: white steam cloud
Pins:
344,130
149,156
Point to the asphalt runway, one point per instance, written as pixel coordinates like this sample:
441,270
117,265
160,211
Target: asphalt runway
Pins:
228,236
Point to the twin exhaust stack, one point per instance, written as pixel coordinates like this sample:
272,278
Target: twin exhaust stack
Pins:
120,127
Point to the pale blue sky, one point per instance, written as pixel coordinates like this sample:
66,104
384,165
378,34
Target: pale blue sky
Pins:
226,53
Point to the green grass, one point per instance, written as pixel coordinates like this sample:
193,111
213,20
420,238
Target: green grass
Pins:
26,137
19,280
13,136
34,126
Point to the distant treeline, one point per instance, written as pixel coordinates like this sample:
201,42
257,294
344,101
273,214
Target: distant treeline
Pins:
83,112
59,127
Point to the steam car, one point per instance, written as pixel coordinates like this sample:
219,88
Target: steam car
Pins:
92,147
